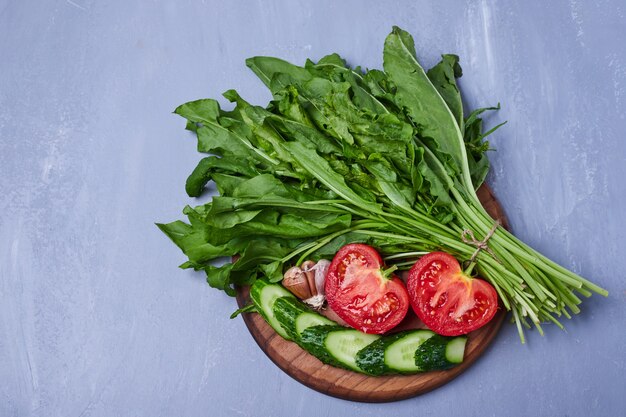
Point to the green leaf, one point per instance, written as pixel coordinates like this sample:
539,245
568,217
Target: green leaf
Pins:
423,104
289,104
192,126
332,59
226,184
306,134
267,67
226,223
199,111
272,271
260,186
379,84
223,215
443,76
219,277
293,225
388,181
207,167
320,168
259,252
191,240
255,257
215,139
435,174
218,134
262,134
329,250
334,69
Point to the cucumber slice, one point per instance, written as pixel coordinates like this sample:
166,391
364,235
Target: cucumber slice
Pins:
400,355
295,317
394,353
264,296
309,319
336,345
440,352
455,350
343,345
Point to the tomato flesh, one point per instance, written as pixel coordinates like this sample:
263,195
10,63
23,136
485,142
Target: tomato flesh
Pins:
445,299
359,293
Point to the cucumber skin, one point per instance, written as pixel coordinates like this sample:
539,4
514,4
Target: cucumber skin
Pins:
313,341
255,295
372,357
286,311
431,355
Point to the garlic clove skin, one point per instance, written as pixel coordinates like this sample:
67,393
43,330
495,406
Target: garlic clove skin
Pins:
318,299
297,283
316,302
321,270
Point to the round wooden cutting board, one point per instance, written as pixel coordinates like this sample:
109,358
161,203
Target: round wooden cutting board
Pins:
354,386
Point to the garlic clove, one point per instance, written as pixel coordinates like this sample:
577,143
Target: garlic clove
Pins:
308,267
297,282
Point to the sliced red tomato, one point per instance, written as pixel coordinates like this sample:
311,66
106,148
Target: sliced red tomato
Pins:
359,292
445,299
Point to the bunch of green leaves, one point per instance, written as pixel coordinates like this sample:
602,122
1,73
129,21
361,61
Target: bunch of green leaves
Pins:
342,155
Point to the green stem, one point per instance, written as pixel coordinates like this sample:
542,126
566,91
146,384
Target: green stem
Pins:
405,255
468,270
523,251
386,273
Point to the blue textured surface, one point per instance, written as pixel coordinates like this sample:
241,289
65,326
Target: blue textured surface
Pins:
97,320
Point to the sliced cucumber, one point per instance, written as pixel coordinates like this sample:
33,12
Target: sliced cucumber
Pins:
343,345
264,296
309,319
393,354
312,340
455,350
405,352
336,345
440,352
295,317
400,356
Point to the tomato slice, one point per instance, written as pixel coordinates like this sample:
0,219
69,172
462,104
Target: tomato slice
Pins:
358,291
445,299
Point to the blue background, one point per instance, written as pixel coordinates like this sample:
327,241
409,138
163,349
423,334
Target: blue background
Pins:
97,320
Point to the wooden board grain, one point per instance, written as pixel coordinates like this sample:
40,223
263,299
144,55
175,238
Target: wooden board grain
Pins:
353,386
